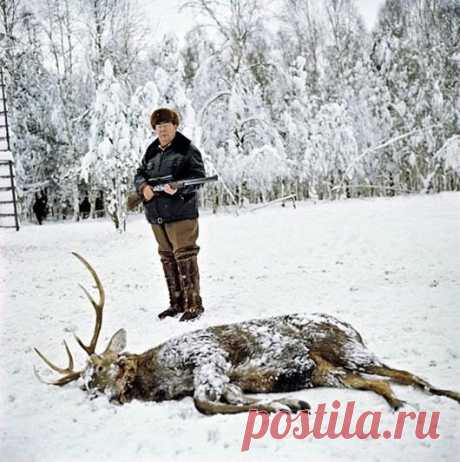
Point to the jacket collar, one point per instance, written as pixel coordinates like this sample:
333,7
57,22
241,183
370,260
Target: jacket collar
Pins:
180,143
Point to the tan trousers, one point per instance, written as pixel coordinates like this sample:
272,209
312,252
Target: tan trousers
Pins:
178,237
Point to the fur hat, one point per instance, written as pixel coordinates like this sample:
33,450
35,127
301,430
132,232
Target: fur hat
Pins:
164,115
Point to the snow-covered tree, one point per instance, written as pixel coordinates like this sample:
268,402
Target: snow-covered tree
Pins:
330,147
110,163
286,96
168,75
112,30
70,102
30,97
143,102
412,51
302,33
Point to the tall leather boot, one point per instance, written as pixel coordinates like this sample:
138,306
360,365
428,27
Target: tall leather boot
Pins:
190,279
176,296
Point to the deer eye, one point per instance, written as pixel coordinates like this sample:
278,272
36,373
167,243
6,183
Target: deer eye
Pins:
99,368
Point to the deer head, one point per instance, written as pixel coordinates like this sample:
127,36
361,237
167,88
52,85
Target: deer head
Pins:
104,371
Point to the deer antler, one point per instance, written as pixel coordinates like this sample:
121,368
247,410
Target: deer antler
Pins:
69,373
98,307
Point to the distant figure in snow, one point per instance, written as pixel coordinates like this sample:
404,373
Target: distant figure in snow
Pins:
173,213
99,207
85,208
40,207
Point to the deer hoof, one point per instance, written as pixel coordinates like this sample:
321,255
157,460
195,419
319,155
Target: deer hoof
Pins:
295,405
397,404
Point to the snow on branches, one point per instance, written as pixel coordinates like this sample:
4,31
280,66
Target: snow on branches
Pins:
110,162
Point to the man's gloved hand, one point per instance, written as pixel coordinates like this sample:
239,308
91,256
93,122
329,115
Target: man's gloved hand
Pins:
168,189
148,193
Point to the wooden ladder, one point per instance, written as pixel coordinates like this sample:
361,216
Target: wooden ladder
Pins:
8,203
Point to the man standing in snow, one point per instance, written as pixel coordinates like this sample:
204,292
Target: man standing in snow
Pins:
40,207
173,213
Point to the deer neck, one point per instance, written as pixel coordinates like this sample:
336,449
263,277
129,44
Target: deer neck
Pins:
137,377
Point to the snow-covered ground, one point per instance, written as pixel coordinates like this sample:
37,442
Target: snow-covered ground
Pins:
390,267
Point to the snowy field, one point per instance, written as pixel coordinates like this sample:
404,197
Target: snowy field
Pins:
390,267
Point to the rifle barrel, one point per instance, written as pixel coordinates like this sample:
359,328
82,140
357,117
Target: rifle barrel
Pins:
193,181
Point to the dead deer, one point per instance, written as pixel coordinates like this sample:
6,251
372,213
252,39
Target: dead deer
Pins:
218,365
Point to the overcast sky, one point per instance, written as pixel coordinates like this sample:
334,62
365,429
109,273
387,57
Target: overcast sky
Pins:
165,15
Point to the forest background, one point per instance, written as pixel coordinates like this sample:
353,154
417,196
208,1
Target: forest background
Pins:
285,96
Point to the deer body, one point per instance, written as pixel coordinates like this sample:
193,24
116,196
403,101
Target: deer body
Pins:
264,355
218,365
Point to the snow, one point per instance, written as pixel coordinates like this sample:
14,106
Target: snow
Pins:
389,267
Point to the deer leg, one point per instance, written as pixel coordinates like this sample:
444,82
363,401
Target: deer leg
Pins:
216,407
326,374
236,402
407,378
381,387
234,395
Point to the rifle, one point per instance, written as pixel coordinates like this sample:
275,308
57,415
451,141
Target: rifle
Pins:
158,184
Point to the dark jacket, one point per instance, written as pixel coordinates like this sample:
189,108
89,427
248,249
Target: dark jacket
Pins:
182,160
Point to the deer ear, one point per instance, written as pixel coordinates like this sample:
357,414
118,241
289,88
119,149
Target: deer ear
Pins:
117,343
